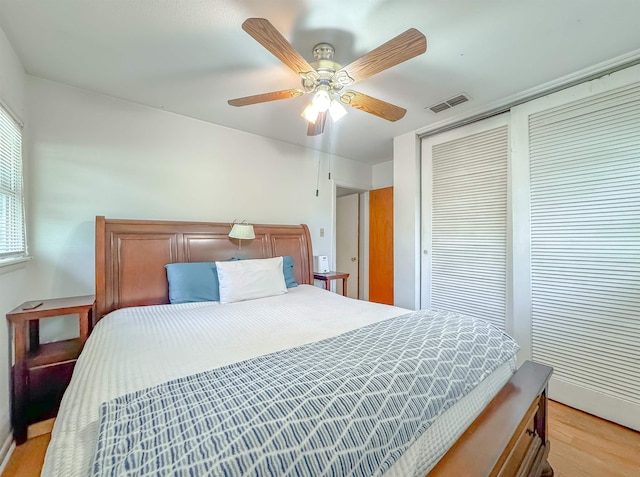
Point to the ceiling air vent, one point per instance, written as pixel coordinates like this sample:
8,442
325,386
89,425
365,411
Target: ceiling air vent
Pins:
439,107
449,103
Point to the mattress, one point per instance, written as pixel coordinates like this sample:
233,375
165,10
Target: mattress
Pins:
136,348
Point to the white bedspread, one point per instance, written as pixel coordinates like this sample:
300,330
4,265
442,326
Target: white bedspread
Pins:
135,348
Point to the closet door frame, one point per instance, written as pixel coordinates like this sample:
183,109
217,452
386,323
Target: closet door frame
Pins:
596,403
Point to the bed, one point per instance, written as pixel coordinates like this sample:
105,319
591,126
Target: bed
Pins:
141,343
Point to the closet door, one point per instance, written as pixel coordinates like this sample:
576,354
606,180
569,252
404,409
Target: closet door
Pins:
584,151
464,220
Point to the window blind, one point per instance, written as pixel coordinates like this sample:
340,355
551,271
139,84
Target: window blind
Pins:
585,242
469,225
12,236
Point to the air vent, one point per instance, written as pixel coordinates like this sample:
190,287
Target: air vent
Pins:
449,103
461,98
439,107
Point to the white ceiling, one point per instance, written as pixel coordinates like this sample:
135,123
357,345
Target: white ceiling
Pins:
190,56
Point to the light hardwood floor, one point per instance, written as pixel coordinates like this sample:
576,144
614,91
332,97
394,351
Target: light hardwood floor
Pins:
581,446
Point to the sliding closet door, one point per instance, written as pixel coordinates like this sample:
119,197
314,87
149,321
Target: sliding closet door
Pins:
584,151
464,217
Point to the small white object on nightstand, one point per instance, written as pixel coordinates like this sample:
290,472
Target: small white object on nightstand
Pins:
320,264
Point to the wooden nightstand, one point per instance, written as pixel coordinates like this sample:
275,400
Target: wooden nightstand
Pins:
41,373
327,277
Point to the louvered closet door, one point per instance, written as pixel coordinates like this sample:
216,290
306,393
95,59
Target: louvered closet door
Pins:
465,221
585,251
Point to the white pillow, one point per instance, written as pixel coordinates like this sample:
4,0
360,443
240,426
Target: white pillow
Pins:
248,279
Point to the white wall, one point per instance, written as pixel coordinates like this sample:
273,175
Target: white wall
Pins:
350,174
382,175
95,155
406,221
13,279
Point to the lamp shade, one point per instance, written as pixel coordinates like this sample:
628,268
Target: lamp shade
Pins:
242,232
310,113
336,110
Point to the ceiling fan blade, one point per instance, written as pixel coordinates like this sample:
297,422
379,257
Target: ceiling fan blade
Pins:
374,106
403,47
318,127
264,97
266,34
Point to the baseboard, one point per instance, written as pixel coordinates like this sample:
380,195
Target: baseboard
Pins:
5,451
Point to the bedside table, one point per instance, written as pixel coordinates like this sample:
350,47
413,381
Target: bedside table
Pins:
327,277
41,372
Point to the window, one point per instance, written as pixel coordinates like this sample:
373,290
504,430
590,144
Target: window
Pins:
12,234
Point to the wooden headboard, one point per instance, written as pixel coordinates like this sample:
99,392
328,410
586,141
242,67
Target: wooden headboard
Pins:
131,255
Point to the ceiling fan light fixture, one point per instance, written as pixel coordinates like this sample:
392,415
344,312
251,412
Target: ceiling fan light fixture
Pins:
310,113
321,101
337,111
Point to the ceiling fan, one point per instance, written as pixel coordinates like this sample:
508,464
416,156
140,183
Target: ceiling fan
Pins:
327,80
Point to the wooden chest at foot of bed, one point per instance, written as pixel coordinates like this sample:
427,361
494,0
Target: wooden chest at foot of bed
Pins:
501,442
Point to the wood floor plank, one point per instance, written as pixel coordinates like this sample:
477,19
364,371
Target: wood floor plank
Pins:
582,445
27,459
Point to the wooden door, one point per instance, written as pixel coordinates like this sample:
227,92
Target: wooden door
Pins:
381,245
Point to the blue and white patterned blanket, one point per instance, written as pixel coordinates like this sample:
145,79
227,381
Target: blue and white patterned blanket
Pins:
345,406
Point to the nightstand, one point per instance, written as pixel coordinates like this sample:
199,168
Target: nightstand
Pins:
328,276
41,372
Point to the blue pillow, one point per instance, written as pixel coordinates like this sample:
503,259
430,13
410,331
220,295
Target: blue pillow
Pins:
287,269
193,281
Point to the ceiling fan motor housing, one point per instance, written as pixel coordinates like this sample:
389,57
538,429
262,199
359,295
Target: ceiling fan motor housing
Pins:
326,69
